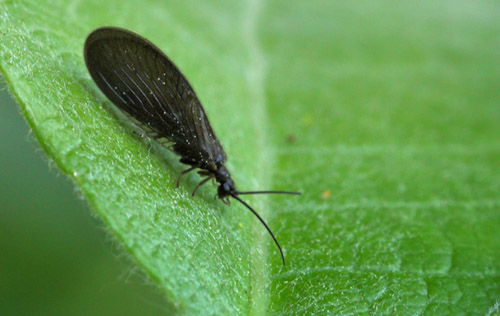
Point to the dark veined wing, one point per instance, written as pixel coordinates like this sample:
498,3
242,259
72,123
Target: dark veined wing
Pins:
144,83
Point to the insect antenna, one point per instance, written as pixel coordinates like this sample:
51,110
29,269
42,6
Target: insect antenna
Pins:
270,192
263,223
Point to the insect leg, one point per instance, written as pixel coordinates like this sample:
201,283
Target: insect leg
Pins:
202,183
183,173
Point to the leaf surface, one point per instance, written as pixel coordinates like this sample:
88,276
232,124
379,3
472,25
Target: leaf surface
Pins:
386,115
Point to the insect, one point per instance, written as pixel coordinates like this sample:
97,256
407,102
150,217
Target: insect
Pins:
142,82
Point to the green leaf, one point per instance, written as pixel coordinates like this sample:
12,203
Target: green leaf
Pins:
385,114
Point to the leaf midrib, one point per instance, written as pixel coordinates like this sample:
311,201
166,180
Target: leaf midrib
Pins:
255,74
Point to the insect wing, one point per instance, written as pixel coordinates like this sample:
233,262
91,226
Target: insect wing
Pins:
142,82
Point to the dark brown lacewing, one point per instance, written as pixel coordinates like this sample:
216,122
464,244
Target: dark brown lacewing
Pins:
146,85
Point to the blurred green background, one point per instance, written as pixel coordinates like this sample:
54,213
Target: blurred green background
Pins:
55,257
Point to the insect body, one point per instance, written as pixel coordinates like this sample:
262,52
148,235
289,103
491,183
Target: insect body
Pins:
145,84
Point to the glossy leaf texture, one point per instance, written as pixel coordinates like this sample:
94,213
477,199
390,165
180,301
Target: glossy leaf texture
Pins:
385,114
